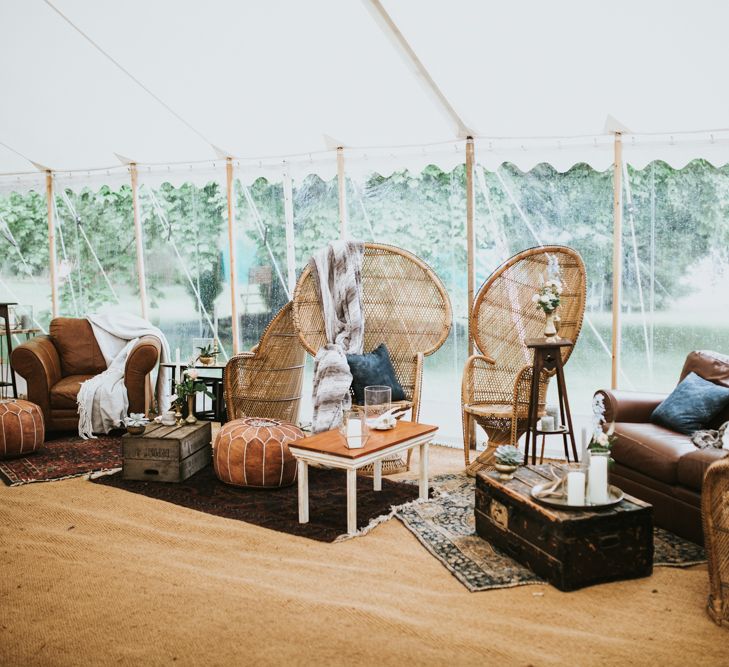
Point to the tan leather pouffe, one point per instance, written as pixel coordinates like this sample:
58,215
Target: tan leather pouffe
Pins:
22,429
254,452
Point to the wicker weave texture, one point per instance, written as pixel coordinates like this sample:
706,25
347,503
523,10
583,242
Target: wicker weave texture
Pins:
405,306
495,388
715,515
267,382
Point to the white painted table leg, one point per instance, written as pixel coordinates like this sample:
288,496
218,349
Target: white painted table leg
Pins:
424,471
351,501
377,475
303,474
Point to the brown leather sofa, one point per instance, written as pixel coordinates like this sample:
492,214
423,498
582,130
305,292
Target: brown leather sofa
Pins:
658,465
54,367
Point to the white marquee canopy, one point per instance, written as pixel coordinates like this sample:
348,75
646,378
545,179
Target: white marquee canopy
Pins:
178,85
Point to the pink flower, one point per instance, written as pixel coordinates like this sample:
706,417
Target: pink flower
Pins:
192,374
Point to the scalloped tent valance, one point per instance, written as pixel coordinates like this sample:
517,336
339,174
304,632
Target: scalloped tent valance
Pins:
167,82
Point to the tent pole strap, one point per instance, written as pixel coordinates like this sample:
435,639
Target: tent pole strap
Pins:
471,236
141,275
231,250
617,256
52,244
342,187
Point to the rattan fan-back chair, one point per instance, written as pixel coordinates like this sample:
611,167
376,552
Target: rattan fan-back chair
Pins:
267,381
405,307
715,518
496,381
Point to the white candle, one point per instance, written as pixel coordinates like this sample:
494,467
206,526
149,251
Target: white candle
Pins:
598,483
553,412
547,423
576,487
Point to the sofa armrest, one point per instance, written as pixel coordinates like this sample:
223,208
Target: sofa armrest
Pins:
629,406
140,363
37,361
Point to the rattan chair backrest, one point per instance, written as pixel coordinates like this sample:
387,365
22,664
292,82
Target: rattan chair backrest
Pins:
504,315
405,306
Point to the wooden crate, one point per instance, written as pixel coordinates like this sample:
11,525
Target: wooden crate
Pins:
167,453
570,549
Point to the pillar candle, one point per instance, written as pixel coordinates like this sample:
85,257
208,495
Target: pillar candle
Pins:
576,487
583,451
553,412
177,365
598,484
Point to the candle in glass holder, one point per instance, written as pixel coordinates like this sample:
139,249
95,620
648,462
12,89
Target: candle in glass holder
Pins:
547,423
553,412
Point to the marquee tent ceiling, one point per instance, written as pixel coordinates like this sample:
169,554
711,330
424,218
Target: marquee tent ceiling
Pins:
273,78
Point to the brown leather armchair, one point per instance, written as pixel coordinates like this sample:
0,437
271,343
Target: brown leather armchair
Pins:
658,465
54,367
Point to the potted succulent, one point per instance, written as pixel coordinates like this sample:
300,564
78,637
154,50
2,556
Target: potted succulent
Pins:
207,354
135,423
507,459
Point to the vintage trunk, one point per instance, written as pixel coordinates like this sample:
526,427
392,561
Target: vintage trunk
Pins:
570,549
167,453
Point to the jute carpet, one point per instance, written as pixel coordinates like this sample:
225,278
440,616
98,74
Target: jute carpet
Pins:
92,575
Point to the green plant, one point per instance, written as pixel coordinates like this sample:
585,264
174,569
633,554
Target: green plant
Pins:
189,386
207,351
508,455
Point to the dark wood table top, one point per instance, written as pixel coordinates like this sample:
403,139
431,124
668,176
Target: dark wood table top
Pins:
542,342
519,489
333,442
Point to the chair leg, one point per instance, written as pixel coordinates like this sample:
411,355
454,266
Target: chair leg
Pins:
467,421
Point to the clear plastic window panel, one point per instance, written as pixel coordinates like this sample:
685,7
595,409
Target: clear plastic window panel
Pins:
187,264
516,211
262,278
675,270
96,251
425,213
316,215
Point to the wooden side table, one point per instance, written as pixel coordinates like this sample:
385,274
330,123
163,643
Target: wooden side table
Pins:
330,449
548,357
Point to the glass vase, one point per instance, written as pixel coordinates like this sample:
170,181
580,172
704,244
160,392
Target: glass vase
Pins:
377,402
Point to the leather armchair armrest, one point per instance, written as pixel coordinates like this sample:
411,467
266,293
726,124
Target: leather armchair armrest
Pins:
37,361
140,363
629,406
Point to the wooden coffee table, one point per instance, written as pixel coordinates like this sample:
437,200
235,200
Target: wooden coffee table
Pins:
330,449
569,548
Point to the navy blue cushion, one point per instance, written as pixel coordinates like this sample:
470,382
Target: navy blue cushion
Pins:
374,368
692,405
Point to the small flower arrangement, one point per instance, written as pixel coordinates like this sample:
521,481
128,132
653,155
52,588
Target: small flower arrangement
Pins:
189,386
601,440
548,296
507,455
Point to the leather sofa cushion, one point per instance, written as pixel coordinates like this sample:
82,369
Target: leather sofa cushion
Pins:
713,367
64,393
650,449
77,347
693,466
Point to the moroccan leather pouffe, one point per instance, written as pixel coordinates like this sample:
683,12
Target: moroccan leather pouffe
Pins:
22,427
254,452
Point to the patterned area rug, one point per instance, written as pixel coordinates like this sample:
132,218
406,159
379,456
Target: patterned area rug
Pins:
445,525
277,509
63,457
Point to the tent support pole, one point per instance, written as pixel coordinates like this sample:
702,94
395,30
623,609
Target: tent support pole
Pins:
617,256
342,186
231,250
52,245
288,193
470,233
141,275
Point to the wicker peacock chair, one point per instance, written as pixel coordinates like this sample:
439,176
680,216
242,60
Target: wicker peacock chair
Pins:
405,306
496,382
715,517
267,381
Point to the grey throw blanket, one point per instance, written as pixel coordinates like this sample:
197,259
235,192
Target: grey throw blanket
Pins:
710,438
337,271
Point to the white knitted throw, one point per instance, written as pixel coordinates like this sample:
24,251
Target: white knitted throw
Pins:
337,271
